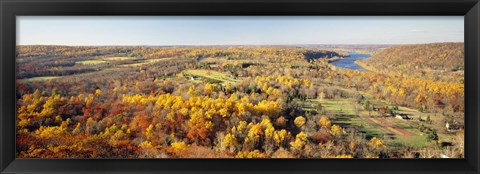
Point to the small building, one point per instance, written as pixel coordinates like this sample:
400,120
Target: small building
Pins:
421,119
454,126
403,116
195,78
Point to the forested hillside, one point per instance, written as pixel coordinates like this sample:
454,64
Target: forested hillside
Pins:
437,61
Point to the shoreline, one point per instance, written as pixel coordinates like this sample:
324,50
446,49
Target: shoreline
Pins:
334,59
365,66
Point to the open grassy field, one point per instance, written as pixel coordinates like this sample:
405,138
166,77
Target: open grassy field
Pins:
395,132
148,61
216,60
119,58
41,78
415,142
222,61
436,118
210,74
94,73
161,59
345,111
92,62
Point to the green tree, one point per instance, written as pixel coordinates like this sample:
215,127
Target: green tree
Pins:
432,135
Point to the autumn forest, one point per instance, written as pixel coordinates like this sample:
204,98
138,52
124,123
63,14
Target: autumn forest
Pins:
243,101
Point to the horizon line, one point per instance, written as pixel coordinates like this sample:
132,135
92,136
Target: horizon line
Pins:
186,45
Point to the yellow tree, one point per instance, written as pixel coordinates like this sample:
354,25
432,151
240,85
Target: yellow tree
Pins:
280,136
336,130
324,122
376,143
299,121
208,88
228,88
229,142
300,141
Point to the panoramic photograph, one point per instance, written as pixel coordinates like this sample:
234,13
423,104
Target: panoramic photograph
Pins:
121,87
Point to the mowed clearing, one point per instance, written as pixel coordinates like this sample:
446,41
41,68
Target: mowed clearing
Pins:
348,113
210,74
148,61
45,78
68,77
92,62
119,58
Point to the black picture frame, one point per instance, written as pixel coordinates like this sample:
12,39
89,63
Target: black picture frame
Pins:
9,9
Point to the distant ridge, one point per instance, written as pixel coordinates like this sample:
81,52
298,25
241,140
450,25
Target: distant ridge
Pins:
419,59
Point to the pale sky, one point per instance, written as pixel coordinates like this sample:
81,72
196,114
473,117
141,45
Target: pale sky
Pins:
231,30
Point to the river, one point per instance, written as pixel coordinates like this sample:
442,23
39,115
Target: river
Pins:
349,61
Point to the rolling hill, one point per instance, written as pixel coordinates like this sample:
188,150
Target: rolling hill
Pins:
438,61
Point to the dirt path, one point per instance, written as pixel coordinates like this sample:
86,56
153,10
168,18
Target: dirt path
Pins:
395,129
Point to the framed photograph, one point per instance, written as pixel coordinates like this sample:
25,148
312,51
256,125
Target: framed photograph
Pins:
311,86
